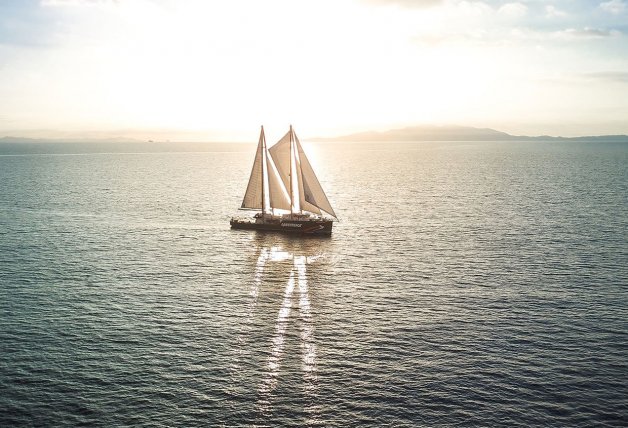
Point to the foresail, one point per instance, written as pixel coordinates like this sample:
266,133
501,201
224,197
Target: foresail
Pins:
312,193
278,195
254,191
280,153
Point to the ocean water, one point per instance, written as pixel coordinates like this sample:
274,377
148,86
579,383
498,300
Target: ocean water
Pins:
470,284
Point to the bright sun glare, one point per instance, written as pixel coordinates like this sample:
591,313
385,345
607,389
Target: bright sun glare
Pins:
216,68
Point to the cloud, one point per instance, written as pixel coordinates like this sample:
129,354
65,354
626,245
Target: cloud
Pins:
513,10
21,25
585,33
487,24
615,7
68,3
608,76
552,12
407,3
565,35
473,9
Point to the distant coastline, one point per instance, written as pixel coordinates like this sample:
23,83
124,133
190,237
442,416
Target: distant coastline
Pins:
15,146
116,140
459,133
412,133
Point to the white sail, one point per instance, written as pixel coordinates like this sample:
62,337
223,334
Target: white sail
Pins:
307,193
278,195
304,204
282,179
254,196
312,193
280,153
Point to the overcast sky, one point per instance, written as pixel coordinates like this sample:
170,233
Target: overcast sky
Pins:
219,69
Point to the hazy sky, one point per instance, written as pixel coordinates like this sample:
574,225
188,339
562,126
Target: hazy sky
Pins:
219,69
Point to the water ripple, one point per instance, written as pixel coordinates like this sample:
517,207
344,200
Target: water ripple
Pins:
476,284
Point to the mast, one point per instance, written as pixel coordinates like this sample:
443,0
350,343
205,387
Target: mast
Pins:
263,141
291,190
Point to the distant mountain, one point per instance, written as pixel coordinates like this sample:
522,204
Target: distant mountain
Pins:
413,133
458,133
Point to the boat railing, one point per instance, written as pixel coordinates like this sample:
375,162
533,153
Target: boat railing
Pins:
240,219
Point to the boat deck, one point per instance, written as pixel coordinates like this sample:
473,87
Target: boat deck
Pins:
303,225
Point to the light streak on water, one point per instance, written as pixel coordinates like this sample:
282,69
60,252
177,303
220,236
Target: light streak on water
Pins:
270,381
297,279
307,334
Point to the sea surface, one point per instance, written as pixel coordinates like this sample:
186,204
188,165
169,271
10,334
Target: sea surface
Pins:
466,284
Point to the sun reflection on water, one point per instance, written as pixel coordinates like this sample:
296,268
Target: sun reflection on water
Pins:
259,270
308,348
277,348
295,313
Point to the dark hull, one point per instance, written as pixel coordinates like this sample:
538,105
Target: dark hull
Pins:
299,227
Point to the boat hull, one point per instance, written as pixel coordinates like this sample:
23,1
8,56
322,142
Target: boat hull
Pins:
299,227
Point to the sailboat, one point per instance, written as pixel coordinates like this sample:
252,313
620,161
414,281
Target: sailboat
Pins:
285,190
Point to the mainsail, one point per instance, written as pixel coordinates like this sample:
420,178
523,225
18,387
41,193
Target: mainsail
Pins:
254,196
265,190
281,154
282,178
